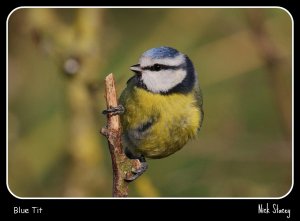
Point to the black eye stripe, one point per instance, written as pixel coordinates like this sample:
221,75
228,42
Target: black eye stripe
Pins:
163,67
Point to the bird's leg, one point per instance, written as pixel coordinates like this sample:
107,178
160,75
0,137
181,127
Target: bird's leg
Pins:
139,171
114,110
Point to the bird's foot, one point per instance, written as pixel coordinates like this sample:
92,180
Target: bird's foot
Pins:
114,110
137,172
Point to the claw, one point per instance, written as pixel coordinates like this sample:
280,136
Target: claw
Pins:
114,110
138,172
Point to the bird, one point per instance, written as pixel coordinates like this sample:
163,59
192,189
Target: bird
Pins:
161,108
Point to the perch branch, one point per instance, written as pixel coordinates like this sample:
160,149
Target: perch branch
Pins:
121,165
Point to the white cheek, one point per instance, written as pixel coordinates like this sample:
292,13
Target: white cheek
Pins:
164,80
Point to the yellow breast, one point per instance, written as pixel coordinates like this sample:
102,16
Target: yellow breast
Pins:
175,119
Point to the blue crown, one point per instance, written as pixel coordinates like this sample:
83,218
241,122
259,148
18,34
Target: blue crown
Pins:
161,52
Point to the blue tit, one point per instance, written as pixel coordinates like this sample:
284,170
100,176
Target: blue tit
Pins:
162,105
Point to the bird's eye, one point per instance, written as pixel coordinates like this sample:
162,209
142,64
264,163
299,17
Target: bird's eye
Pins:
156,67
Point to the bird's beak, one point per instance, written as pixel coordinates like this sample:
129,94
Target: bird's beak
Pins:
136,69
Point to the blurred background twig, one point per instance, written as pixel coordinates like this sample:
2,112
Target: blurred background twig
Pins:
275,64
76,49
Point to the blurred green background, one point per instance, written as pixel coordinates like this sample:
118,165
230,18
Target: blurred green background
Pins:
58,59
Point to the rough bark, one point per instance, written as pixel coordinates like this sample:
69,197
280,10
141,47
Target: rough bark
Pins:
121,165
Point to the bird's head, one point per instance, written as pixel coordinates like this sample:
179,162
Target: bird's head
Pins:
165,70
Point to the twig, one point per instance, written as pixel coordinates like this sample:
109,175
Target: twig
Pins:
121,165
276,67
75,49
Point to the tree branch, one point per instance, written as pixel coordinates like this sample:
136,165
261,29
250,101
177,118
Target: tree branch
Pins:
121,165
75,49
277,67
